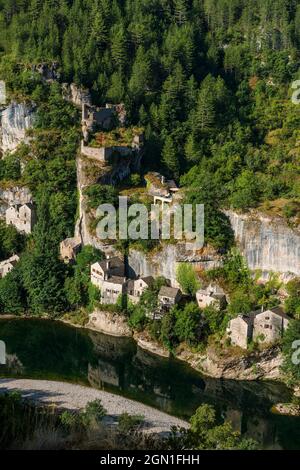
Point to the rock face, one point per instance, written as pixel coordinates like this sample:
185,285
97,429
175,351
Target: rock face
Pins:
109,323
145,342
90,172
267,243
13,195
15,120
259,365
48,70
286,409
165,261
76,95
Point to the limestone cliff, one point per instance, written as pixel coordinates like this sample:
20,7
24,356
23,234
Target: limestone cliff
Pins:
89,172
15,120
109,323
76,95
165,261
253,366
267,243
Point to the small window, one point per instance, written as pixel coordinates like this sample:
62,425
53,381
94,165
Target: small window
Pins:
267,327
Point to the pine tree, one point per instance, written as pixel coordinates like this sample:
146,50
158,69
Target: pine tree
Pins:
119,46
205,111
170,157
180,11
99,31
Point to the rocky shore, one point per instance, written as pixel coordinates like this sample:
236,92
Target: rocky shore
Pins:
72,397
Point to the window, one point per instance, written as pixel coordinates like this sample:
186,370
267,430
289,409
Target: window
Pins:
267,327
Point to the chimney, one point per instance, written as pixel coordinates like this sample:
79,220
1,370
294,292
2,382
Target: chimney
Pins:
162,180
107,264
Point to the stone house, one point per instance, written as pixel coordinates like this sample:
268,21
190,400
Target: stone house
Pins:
213,295
69,248
106,268
264,326
7,265
270,325
136,287
240,330
169,296
109,277
112,288
22,217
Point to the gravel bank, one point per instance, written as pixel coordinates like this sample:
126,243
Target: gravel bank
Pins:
75,397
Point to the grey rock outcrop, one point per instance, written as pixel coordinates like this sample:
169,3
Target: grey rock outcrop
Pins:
76,95
267,243
165,261
109,323
48,71
258,365
15,120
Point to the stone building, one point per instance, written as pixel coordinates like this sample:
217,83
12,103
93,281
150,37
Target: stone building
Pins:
101,118
169,296
112,288
136,287
109,276
164,191
240,330
69,248
106,268
270,325
213,295
22,217
7,265
264,326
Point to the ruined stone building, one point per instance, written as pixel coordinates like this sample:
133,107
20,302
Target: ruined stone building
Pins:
213,295
136,287
69,248
22,217
7,265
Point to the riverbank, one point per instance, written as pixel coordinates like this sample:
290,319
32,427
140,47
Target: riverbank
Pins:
72,397
259,365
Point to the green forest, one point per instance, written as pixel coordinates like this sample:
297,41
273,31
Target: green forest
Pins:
210,81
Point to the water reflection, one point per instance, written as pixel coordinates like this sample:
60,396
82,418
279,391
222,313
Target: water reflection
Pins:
42,349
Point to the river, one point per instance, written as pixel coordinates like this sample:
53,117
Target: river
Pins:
43,349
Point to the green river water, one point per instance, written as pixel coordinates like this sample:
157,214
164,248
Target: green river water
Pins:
51,350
